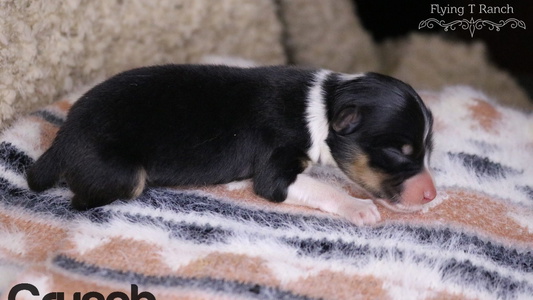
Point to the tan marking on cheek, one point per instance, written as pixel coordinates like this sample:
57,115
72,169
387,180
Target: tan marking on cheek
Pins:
364,175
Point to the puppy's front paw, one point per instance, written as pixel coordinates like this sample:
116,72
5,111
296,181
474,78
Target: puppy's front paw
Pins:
360,211
310,192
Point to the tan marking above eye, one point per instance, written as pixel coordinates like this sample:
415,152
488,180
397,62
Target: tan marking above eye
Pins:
407,149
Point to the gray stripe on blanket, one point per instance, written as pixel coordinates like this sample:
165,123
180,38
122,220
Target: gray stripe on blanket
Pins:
248,290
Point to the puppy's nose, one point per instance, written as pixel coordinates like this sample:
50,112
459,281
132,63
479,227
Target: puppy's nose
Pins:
419,189
430,194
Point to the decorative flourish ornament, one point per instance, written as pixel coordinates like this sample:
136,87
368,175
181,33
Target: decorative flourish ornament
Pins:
472,25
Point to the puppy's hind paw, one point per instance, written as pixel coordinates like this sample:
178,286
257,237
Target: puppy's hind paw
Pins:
360,212
82,203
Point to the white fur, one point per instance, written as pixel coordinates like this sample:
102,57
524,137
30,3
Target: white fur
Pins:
317,121
239,185
307,191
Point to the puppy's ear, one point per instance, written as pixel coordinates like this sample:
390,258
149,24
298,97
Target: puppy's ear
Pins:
347,120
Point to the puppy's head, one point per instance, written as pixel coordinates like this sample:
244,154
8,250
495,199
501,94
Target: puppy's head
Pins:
380,137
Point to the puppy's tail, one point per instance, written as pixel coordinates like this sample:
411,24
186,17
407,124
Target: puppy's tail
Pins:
46,171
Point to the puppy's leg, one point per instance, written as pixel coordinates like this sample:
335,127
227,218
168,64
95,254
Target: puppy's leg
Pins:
275,174
96,182
307,191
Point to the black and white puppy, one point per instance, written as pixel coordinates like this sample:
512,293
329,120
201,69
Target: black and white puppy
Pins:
197,125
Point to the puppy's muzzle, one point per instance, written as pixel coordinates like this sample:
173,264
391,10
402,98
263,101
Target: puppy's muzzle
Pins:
419,189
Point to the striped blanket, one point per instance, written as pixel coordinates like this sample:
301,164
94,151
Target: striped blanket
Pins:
223,242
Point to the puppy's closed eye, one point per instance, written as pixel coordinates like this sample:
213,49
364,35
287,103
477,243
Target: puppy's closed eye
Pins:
403,151
398,152
398,155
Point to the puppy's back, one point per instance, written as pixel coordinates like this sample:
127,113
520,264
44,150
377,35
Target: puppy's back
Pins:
172,125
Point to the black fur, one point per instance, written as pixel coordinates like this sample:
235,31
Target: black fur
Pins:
198,125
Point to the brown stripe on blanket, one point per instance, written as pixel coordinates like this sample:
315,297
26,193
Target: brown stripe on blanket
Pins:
471,210
246,269
48,129
184,284
48,132
463,208
486,115
125,253
242,192
63,106
237,267
59,108
216,265
450,296
335,285
39,237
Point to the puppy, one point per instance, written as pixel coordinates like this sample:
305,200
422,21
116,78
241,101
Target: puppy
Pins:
197,125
